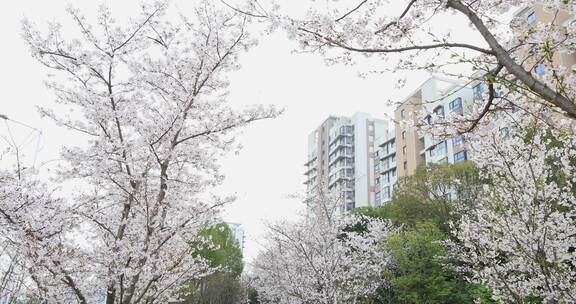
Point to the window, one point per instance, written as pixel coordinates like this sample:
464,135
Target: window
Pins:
404,150
539,69
440,148
428,119
386,192
478,89
377,197
403,134
377,180
349,206
384,165
460,157
439,110
531,19
386,177
405,165
393,158
393,172
433,151
505,132
534,49
455,104
457,141
349,195
402,114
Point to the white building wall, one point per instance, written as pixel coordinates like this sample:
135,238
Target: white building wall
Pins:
361,163
357,147
440,93
312,144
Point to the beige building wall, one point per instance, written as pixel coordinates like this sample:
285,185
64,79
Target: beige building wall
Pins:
541,15
317,162
408,143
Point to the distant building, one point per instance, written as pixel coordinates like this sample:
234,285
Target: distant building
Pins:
341,156
238,233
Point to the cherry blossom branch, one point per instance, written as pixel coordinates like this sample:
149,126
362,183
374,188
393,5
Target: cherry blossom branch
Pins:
515,69
333,42
384,28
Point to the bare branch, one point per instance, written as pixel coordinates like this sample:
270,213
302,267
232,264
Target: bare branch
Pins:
351,11
515,69
333,42
396,21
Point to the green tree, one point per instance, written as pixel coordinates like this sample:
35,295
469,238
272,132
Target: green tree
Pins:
424,205
222,252
418,275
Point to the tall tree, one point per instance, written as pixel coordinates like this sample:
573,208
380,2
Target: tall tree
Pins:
152,102
519,240
319,259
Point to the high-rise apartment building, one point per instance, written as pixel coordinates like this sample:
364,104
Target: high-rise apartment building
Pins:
341,156
404,148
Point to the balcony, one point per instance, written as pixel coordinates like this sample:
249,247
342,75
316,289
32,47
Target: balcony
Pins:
344,131
310,170
341,153
310,161
343,174
349,142
386,156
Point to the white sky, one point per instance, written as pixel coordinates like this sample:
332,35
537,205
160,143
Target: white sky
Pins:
270,167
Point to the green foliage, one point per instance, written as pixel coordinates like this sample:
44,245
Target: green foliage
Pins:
418,275
227,254
252,295
423,205
222,252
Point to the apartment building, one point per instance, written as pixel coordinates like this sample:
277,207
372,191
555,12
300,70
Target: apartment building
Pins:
404,148
341,156
447,97
530,16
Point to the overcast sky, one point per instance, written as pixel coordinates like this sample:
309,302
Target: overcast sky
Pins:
270,167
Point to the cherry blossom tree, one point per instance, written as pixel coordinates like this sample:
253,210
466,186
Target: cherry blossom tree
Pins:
405,34
519,239
324,257
31,226
151,98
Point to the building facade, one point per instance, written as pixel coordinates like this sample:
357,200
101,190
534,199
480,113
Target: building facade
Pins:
405,147
341,158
